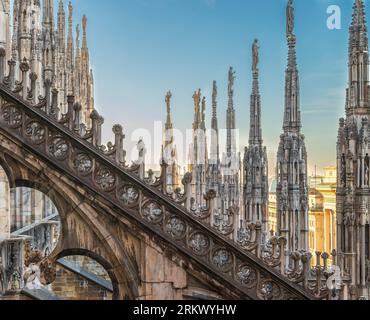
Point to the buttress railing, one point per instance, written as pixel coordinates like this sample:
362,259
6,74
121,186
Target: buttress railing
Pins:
231,250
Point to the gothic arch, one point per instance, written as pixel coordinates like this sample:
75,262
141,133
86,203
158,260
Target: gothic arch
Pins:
77,210
77,214
103,262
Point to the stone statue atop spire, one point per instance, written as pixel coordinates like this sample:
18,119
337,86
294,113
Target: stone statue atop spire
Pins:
230,190
230,116
255,188
203,122
290,19
255,55
196,97
214,96
292,186
168,101
198,154
169,149
168,106
231,82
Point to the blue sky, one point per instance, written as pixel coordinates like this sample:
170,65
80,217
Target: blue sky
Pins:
142,48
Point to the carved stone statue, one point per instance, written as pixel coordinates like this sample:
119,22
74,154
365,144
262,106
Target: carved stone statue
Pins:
255,55
197,97
231,81
168,101
214,92
290,18
32,277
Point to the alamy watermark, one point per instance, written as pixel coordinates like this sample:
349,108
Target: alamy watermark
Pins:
192,147
334,282
334,21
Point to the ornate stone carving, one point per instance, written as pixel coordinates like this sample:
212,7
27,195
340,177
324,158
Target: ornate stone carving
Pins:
35,132
199,243
32,277
224,222
86,159
200,212
39,268
129,195
247,276
243,236
222,259
153,212
269,290
83,164
105,179
31,256
59,148
48,272
176,227
12,115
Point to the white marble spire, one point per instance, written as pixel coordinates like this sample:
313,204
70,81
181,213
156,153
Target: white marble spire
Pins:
255,160
292,113
292,186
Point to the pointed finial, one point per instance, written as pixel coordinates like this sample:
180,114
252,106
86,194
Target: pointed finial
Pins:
358,18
